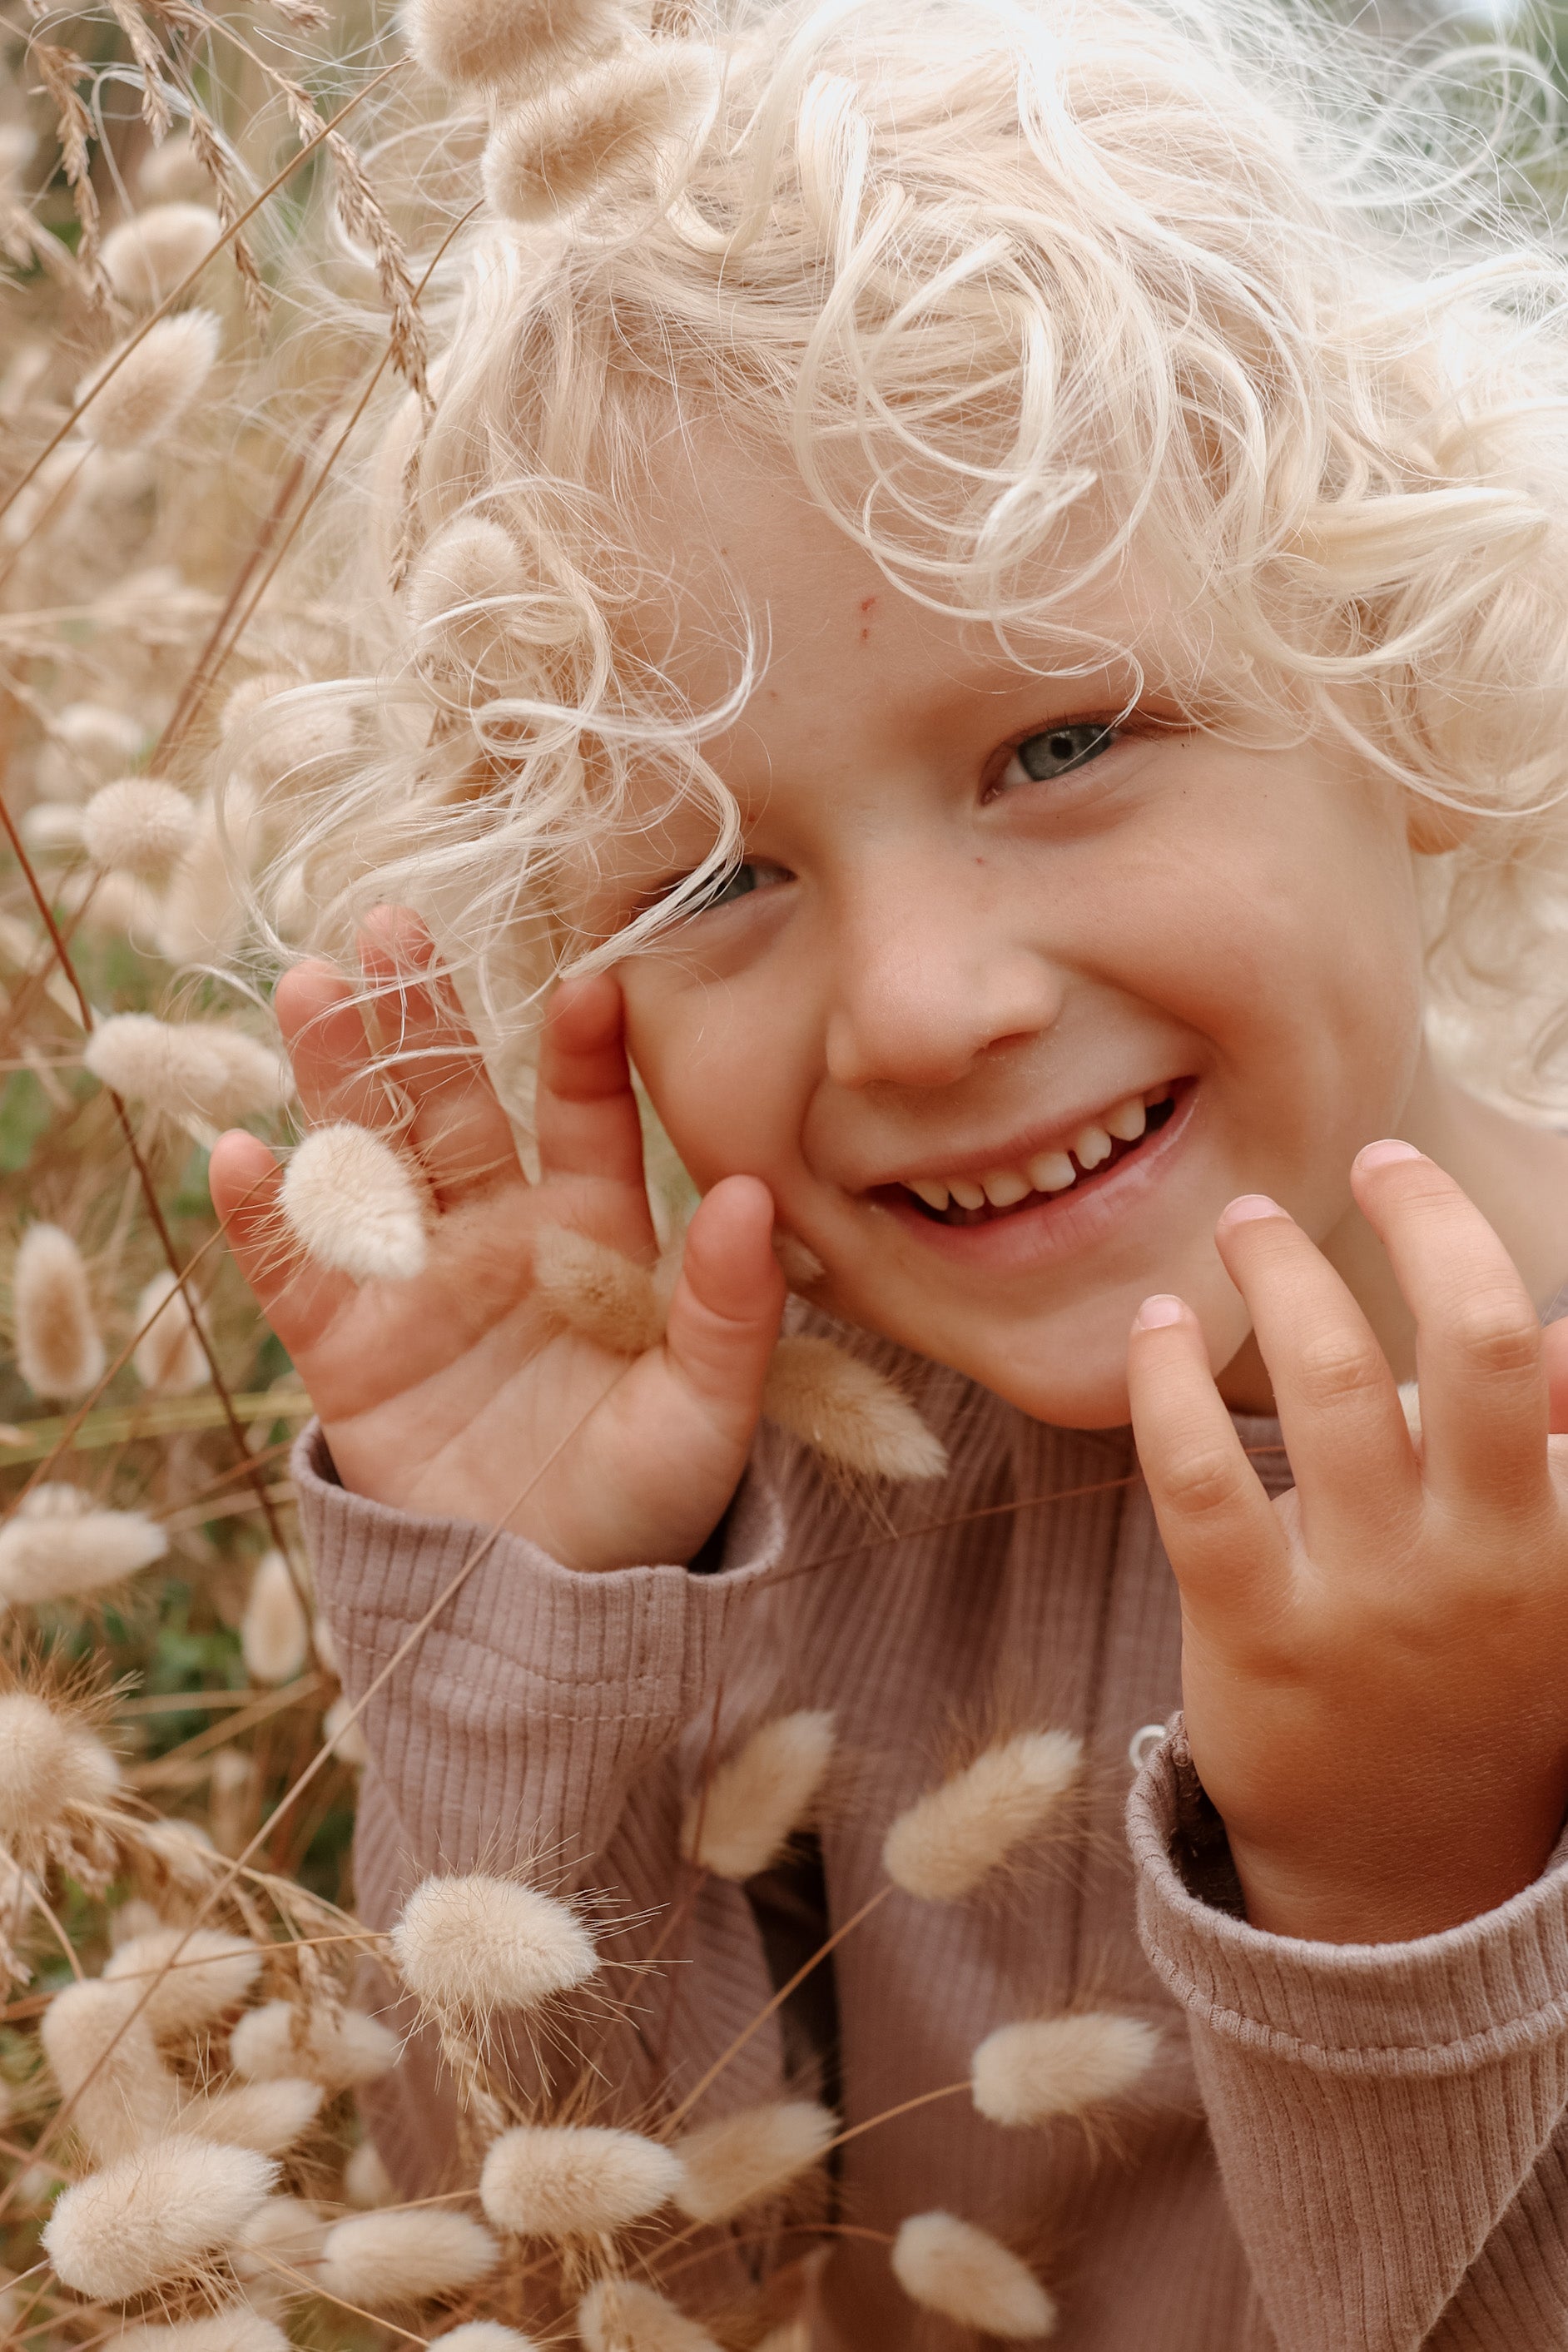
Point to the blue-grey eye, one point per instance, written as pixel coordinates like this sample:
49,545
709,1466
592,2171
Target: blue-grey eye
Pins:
752,873
1056,751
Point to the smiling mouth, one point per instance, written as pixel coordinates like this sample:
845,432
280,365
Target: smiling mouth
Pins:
1096,1152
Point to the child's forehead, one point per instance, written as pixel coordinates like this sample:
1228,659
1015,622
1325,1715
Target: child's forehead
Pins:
727,533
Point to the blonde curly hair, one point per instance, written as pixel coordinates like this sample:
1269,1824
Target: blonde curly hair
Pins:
1279,311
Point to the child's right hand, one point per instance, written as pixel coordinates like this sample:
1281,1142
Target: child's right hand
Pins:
453,1395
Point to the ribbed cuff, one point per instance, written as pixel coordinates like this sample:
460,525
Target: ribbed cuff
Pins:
637,1638
1442,2004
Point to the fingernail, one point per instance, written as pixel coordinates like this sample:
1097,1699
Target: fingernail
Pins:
1379,1155
1248,1205
1159,1310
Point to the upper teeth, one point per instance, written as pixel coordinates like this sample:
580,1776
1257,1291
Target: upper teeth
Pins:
1048,1171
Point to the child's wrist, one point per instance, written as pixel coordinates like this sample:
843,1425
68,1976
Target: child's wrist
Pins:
1390,1890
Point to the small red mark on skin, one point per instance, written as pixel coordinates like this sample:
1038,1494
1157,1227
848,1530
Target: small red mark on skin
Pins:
868,604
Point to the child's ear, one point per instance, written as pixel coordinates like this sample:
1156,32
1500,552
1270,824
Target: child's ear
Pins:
1431,829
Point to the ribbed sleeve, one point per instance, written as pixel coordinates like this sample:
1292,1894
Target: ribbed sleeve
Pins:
518,1718
1383,2115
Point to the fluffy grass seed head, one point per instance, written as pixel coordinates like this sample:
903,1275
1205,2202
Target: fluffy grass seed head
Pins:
139,826
402,2256
286,2228
747,2156
459,592
468,1945
340,2049
147,256
274,1632
159,2214
57,1546
49,1767
1051,2066
151,386
484,2336
547,2180
947,1841
89,743
759,1798
342,1728
59,1353
967,2274
600,132
619,2316
105,2060
191,1976
169,1358
269,2116
366,2180
494,42
237,2328
588,1287
850,1414
357,1205
205,1069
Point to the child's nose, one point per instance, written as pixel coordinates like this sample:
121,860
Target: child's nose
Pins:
919,997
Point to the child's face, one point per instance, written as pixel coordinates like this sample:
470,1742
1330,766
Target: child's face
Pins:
956,957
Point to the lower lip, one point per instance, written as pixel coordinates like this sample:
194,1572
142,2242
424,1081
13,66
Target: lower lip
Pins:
1065,1224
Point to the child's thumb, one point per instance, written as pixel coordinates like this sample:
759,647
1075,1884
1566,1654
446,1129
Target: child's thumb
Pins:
724,1315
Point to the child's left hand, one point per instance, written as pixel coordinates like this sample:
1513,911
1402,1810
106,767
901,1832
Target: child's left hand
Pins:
1374,1667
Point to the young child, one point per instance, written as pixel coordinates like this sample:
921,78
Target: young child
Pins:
988,603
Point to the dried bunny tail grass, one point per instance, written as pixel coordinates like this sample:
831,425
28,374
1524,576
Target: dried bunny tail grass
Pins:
749,2155
103,2056
588,1287
604,132
267,2117
357,1205
366,2180
236,2328
340,2049
88,743
402,2256
58,1350
467,1946
619,2316
274,1632
138,826
169,1358
459,592
190,1975
208,1069
950,2266
1027,2073
545,2181
944,1843
57,1546
151,385
161,2214
343,1731
287,2229
146,258
484,2336
759,1798
848,1413
802,1269
49,1767
492,42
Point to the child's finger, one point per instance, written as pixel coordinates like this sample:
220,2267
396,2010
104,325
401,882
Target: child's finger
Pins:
1343,1425
456,1126
297,1297
586,1114
1479,1355
323,1029
1219,1525
1554,1356
724,1315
